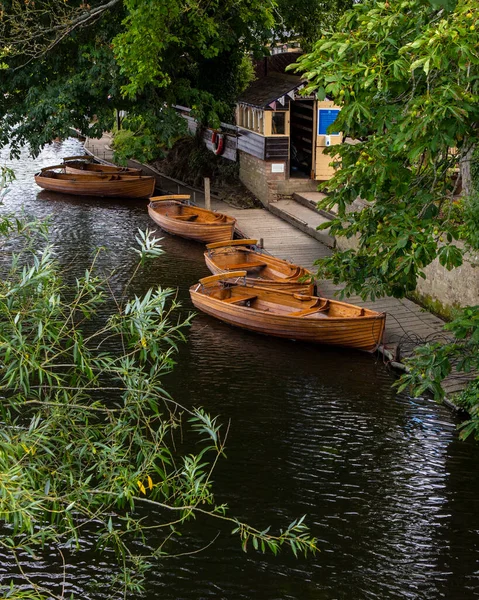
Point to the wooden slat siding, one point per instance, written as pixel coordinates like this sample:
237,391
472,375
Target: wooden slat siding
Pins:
277,148
192,124
251,143
230,146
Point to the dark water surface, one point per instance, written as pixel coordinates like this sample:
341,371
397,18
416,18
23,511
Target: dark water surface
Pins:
389,490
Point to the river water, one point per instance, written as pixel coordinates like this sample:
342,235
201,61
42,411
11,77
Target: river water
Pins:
388,489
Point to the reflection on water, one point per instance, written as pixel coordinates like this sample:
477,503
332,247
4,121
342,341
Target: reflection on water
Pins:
388,489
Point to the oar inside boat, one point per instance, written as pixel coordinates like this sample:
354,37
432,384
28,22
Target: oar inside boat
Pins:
244,242
222,277
177,197
46,169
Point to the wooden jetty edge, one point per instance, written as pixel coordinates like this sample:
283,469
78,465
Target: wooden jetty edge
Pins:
408,325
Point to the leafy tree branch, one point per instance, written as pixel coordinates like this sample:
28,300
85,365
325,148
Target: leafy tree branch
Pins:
406,75
90,438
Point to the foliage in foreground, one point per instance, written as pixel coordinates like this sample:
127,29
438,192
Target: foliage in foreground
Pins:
406,75
89,435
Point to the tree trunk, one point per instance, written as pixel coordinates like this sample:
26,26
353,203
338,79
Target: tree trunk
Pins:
465,168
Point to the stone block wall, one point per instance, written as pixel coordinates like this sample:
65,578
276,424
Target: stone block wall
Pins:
458,287
442,290
257,176
290,186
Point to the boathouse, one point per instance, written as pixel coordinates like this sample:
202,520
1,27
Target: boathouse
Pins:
282,135
279,136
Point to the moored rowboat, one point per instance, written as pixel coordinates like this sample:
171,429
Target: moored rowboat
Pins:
113,185
176,217
288,315
262,270
84,164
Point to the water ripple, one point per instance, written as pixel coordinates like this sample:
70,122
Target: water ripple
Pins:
388,489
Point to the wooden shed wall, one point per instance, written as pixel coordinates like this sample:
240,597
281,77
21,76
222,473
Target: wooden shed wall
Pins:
252,143
230,145
277,148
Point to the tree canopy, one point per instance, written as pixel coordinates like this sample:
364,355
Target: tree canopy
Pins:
69,64
406,74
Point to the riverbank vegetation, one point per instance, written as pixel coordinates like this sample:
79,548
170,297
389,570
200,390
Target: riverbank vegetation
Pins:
90,441
188,162
406,75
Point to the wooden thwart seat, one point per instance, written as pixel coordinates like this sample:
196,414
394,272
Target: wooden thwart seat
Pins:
247,265
310,311
184,217
177,197
242,242
238,299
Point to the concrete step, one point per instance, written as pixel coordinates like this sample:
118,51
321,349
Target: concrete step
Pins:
303,218
310,200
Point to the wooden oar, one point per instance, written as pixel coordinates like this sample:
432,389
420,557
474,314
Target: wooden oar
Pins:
232,243
85,157
179,197
222,276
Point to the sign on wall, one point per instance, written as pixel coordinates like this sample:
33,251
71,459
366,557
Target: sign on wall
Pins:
326,117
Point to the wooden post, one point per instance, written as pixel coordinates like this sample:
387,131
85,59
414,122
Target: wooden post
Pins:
207,194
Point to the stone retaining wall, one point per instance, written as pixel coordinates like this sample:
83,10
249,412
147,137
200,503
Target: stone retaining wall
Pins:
449,289
442,290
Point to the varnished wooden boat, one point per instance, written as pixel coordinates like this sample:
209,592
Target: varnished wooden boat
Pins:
113,185
288,315
262,270
173,215
85,164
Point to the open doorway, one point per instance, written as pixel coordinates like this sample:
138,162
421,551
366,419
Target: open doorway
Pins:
301,138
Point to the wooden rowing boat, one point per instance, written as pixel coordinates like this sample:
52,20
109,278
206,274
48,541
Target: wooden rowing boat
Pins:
111,185
262,270
173,215
85,164
288,315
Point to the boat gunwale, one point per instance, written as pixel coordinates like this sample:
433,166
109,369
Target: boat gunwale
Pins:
377,316
272,262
